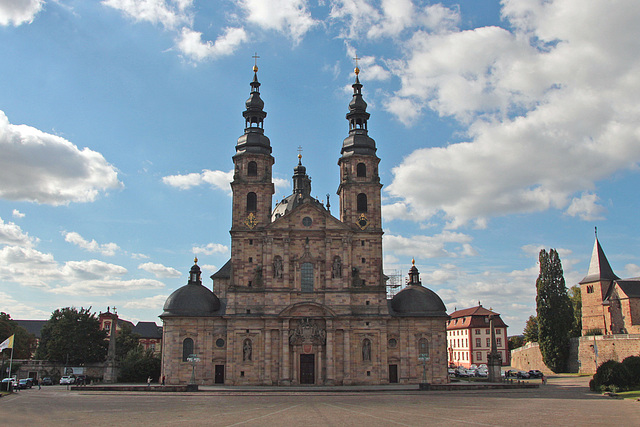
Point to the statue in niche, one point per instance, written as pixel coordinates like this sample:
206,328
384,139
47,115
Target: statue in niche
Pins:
356,281
246,350
277,268
336,270
366,350
258,276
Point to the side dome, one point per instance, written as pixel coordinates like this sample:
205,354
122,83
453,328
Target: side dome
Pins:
192,300
416,300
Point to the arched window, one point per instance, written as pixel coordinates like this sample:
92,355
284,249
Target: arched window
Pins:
252,169
362,202
252,202
187,348
306,279
361,170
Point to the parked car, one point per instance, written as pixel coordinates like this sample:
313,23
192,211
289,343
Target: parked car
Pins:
451,371
25,383
534,373
12,381
46,381
82,380
462,372
522,375
482,372
67,379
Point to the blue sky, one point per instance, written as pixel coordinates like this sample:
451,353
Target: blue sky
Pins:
503,128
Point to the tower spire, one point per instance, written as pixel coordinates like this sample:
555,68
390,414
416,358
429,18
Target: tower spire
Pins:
254,139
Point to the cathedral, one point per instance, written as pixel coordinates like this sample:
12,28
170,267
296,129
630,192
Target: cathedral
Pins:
303,299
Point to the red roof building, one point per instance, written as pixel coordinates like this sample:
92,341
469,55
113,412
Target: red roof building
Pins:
469,337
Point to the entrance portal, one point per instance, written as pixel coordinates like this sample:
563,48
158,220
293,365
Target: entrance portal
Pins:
393,374
307,369
219,378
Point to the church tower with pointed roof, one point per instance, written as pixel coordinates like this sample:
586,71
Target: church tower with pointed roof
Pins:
594,288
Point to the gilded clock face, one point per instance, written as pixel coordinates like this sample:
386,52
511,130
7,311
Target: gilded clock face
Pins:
362,222
251,221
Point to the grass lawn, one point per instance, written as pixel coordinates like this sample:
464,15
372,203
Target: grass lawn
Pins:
634,394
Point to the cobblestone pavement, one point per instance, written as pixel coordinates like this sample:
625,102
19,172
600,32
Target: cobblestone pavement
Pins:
563,401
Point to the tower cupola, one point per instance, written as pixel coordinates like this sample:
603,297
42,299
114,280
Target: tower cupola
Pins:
358,141
254,140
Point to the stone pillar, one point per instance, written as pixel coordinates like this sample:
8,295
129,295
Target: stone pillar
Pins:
330,357
347,354
494,358
285,379
266,380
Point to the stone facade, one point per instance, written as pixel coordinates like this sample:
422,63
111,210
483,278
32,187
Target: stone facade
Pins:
610,305
303,298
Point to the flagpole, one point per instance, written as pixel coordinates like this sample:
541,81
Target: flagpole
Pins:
10,361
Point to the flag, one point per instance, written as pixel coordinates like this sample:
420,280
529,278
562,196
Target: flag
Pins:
8,343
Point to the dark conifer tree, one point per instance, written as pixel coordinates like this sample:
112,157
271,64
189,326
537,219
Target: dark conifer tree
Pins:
555,312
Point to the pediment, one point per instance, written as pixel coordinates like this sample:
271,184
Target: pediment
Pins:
320,219
307,309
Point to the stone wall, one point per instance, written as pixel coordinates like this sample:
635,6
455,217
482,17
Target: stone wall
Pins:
610,347
43,368
582,356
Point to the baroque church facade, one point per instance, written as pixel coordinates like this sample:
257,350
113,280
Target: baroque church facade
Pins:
303,298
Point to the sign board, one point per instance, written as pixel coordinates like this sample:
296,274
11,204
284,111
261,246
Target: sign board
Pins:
423,356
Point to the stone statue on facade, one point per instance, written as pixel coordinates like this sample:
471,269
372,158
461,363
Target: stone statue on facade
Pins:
246,350
366,350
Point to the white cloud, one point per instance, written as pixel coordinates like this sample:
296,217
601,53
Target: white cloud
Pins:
19,310
177,16
290,17
391,19
92,270
19,12
422,247
139,256
210,249
217,179
586,207
106,287
170,14
44,168
632,270
12,234
159,270
17,214
191,45
107,249
155,302
550,108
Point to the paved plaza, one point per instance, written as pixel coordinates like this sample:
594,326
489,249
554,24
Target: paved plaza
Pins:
563,401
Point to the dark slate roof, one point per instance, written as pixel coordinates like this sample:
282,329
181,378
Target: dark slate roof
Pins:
599,268
192,300
631,287
32,326
224,272
417,301
148,330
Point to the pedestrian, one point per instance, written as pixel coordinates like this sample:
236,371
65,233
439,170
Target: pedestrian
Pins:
149,382
39,384
544,379
163,380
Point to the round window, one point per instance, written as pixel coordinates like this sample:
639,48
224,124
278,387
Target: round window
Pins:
393,343
220,342
307,221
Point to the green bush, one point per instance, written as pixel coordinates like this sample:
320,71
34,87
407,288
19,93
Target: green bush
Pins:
632,363
611,375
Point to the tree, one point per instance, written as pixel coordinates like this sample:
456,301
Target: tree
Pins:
126,341
73,337
516,341
138,365
23,343
555,313
531,329
576,301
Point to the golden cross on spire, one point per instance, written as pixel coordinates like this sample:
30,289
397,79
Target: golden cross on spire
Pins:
255,62
357,70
